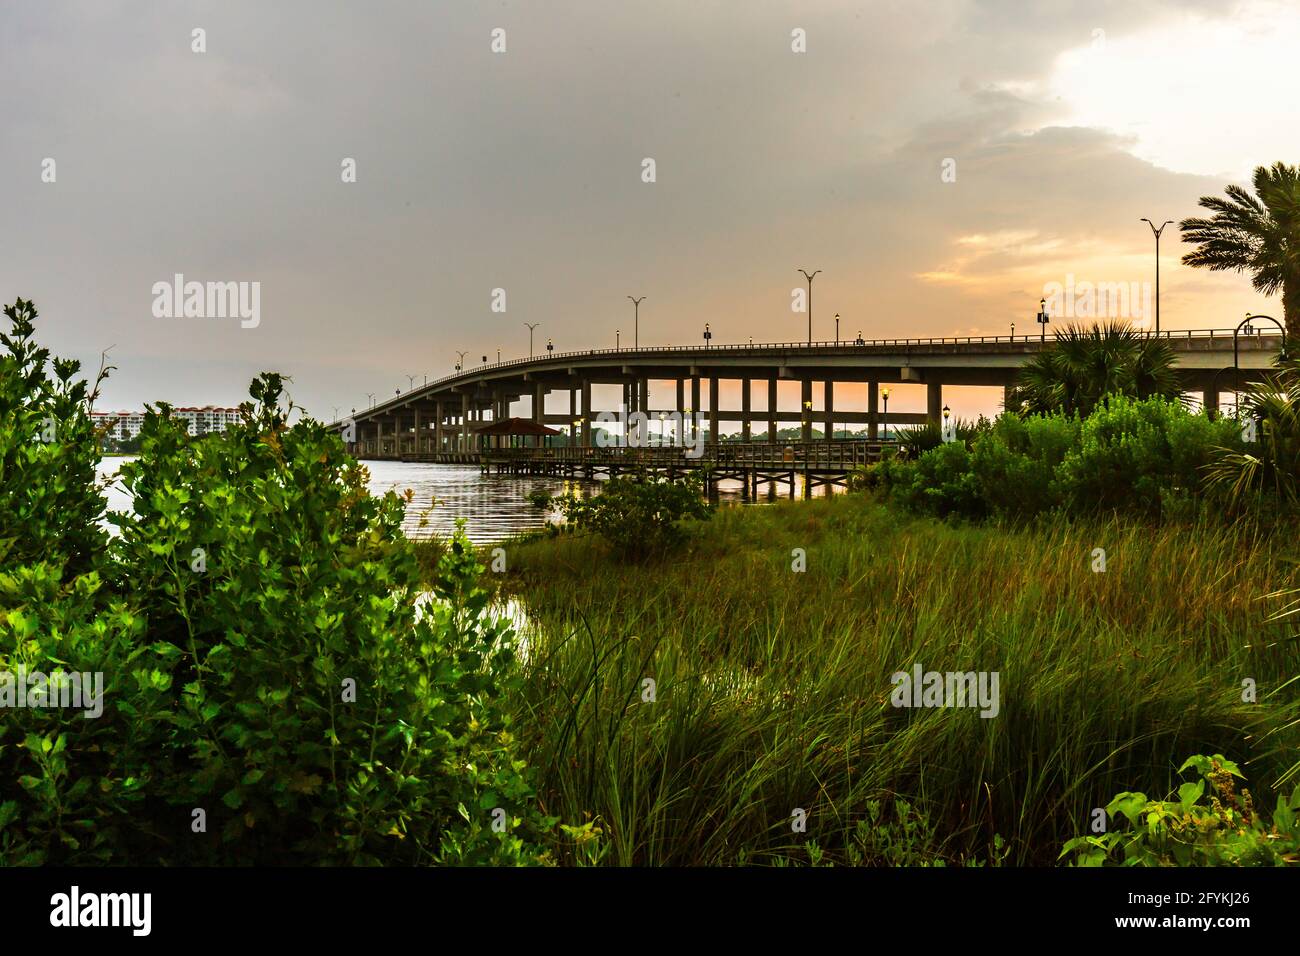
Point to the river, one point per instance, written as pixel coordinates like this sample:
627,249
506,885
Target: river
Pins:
494,507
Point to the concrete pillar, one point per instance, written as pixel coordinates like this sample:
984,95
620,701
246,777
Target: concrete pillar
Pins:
713,410
934,401
437,425
1210,399
681,397
695,406
643,399
744,409
586,412
464,421
573,415
873,409
539,402
771,409
830,409
805,409
419,435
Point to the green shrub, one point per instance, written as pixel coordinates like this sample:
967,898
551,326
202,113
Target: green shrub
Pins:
1131,454
1188,829
1016,462
267,655
638,515
943,484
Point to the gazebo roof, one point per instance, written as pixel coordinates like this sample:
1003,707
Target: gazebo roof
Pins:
515,426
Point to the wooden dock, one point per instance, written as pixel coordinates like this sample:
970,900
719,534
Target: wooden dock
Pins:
754,465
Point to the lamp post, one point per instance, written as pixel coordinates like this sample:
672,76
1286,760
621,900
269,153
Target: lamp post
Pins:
498,356
460,359
884,393
707,335
636,321
1042,319
662,420
807,421
371,396
617,346
1156,232
809,278
531,326
549,346
947,435
1246,324
410,382
837,328
1013,331
861,340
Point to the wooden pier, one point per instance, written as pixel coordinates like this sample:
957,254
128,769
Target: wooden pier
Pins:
754,465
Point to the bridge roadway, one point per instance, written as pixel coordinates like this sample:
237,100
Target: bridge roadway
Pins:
436,421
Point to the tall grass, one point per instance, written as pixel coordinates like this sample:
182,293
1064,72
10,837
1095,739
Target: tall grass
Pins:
772,685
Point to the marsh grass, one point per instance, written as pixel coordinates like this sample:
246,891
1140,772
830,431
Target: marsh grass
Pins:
772,686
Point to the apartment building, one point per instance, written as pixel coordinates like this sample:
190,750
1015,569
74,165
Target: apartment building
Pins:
200,421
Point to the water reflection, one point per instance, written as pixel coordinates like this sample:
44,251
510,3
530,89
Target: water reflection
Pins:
494,507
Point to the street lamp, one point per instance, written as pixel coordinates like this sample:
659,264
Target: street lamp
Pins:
861,340
410,382
498,356
809,278
636,321
1249,329
707,335
617,346
1156,232
1013,331
460,360
1043,318
884,393
371,396
837,328
531,326
549,346
662,425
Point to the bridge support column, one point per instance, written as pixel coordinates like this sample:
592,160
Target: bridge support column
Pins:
830,409
744,411
695,408
419,435
437,425
805,408
573,415
464,421
586,412
539,403
771,409
713,410
873,410
1210,401
934,401
643,399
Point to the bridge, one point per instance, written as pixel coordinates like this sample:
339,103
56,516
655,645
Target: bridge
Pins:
436,421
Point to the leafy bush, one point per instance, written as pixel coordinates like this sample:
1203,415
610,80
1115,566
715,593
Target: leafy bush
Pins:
1189,830
1146,456
639,515
267,654
1131,454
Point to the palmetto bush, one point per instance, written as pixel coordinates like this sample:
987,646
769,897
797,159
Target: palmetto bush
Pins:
1269,465
1087,363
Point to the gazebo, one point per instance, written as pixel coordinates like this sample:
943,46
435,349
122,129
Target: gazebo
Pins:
513,433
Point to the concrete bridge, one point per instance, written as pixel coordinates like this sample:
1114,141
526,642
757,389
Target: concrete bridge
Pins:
439,418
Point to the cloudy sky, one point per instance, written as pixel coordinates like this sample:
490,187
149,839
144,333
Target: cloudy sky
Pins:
523,170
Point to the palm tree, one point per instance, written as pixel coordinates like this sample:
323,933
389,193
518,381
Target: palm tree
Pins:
1259,234
1271,464
1087,363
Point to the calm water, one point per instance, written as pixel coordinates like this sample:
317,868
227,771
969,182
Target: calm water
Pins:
494,507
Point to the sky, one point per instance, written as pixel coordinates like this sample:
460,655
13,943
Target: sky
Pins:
943,165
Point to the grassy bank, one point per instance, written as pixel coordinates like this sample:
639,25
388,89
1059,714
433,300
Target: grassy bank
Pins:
772,686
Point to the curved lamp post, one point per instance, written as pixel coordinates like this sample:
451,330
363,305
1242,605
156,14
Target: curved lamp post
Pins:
1236,364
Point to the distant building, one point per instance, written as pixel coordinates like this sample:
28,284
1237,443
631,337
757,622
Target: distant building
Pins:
199,421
